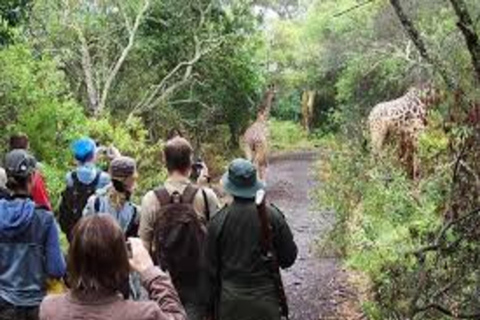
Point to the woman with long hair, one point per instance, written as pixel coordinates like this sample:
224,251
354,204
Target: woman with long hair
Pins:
115,199
99,266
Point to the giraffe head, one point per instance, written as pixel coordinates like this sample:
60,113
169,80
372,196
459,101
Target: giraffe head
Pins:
428,93
267,102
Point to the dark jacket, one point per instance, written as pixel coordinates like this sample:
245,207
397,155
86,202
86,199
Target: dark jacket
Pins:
29,252
246,288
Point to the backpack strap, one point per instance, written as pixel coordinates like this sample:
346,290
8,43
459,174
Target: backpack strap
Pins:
207,206
188,195
96,204
162,196
77,181
95,181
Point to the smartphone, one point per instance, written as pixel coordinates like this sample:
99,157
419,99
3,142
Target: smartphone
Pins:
129,250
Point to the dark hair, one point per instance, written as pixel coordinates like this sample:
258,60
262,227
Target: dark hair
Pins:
178,154
19,141
18,184
174,133
97,258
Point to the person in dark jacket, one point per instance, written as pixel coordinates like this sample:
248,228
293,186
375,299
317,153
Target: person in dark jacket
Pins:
30,250
244,287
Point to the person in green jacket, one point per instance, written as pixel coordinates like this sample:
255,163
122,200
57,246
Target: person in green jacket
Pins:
243,286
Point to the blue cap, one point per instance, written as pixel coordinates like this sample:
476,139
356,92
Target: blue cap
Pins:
84,149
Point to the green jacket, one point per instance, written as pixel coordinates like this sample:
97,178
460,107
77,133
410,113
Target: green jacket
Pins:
244,288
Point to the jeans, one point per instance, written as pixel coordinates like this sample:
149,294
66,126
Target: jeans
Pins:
11,312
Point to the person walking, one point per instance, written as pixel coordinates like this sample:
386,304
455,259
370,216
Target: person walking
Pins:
99,265
30,250
81,183
115,199
245,285
173,227
39,192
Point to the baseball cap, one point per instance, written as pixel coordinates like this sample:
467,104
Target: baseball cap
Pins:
19,163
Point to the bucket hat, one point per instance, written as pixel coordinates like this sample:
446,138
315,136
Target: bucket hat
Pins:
241,179
123,167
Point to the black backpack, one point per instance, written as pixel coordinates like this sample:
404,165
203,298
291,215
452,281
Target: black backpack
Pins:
180,237
73,201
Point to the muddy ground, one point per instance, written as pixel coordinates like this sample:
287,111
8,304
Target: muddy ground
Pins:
317,287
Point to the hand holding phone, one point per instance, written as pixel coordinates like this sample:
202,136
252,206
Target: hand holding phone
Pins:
140,260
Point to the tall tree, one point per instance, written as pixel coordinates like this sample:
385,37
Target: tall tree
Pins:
419,43
467,26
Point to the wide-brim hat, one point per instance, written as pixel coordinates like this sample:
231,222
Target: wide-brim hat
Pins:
241,179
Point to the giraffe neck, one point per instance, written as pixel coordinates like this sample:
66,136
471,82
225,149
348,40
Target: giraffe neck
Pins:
262,117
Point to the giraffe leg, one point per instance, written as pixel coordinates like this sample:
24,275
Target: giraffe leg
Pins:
249,153
261,162
378,135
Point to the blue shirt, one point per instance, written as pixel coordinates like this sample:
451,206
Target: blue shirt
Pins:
127,217
86,173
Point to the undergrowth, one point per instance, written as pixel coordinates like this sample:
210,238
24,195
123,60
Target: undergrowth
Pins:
382,216
289,136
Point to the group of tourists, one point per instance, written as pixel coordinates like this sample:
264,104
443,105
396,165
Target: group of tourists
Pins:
179,255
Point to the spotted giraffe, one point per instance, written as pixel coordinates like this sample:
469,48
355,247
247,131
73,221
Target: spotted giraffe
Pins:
403,118
255,139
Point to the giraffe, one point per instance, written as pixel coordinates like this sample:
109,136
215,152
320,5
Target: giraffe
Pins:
403,118
255,138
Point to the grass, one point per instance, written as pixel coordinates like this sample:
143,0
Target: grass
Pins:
289,136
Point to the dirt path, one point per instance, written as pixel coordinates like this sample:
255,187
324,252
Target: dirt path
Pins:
316,287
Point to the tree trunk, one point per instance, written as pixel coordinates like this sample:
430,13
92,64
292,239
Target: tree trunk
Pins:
466,25
416,38
92,92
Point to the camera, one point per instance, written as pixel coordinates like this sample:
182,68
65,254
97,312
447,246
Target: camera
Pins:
197,167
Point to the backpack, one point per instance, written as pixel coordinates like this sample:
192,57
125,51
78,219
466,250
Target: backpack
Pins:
73,201
180,237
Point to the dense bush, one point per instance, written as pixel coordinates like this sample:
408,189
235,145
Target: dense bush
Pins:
383,217
34,99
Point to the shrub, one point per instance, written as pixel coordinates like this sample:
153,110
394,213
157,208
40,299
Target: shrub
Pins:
382,216
288,135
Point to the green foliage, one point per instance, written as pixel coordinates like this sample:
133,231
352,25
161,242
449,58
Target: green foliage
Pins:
382,217
288,136
131,138
34,99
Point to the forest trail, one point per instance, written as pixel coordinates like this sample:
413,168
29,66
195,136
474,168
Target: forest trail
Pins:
316,287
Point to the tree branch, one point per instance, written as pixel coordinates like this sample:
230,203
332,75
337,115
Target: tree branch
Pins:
123,56
466,25
87,71
417,40
355,7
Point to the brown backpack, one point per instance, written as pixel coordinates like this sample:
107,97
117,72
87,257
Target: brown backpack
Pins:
179,236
